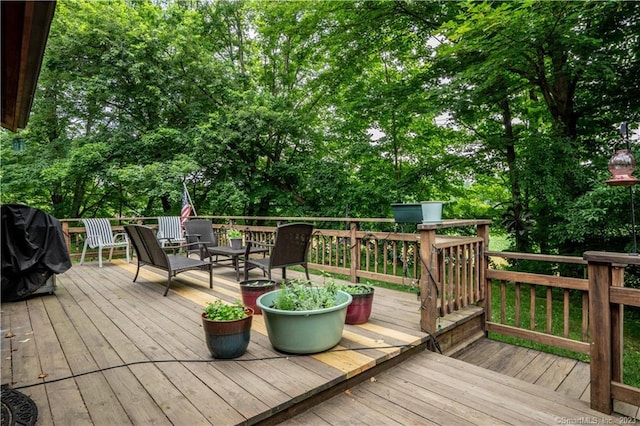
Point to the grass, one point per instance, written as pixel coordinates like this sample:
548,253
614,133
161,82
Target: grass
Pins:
499,242
631,372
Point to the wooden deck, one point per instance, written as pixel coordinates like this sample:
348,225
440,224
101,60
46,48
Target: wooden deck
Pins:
105,351
497,383
564,375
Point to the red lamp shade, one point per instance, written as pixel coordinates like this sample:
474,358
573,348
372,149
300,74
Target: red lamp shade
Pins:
621,166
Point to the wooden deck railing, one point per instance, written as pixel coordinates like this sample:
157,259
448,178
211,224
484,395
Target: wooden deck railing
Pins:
599,333
453,269
530,320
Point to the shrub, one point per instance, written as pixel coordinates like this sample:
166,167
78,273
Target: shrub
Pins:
219,311
300,295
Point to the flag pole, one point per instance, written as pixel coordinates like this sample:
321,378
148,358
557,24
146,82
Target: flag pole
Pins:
193,207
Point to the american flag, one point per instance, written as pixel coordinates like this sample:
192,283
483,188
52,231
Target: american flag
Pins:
186,207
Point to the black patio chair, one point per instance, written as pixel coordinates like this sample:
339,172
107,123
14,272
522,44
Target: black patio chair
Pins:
200,238
289,248
150,252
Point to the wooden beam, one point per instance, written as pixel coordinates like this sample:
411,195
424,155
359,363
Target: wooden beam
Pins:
538,279
25,29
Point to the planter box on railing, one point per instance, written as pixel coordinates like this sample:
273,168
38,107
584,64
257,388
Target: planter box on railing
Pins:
424,212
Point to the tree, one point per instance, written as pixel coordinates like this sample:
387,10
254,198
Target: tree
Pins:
335,108
509,60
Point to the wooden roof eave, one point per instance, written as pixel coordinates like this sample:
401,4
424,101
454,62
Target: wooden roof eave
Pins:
25,29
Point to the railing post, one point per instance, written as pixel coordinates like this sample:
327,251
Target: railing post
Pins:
429,273
67,236
617,324
600,329
355,252
606,271
482,231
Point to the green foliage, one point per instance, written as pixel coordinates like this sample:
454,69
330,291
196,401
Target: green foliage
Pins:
220,311
631,360
258,283
234,233
356,288
506,110
300,295
498,242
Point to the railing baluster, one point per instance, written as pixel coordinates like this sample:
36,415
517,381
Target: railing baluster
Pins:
503,301
331,251
532,307
385,254
375,256
585,316
566,314
452,296
395,256
468,274
549,313
517,306
461,283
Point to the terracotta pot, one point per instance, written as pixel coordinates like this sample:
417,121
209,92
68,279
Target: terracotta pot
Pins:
359,310
252,289
228,339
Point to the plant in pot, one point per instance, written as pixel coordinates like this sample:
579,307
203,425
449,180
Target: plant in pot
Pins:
359,310
227,328
302,318
252,289
235,238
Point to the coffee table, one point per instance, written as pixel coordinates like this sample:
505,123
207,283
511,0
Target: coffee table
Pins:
234,254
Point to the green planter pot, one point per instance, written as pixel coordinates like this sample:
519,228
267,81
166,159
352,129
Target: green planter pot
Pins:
407,212
431,211
423,212
304,332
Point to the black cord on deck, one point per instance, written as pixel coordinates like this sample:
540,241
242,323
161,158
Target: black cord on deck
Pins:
212,360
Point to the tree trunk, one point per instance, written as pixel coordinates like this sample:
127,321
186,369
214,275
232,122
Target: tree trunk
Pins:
516,196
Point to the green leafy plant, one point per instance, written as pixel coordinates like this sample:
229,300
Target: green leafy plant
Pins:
220,311
356,288
262,283
300,295
234,233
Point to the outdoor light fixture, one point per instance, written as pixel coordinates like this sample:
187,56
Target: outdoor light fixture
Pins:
621,166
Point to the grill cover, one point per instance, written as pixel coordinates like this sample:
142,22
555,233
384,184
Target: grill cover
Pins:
33,249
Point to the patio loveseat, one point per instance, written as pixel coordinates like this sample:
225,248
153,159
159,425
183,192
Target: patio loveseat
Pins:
149,252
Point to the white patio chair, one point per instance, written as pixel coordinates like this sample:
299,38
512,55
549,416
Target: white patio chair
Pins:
170,230
100,235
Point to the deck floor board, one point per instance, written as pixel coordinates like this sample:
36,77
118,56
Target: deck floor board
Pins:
140,358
